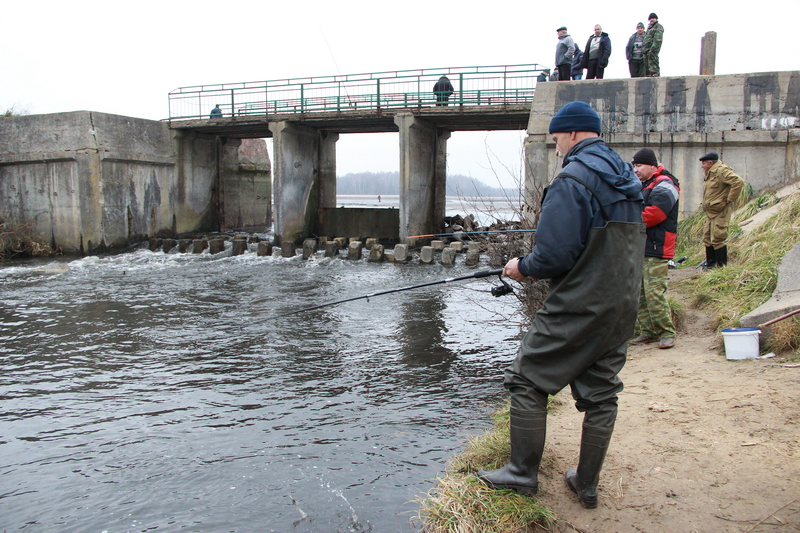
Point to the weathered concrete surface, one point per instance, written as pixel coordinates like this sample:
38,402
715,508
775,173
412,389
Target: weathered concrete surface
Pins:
92,181
380,223
245,188
751,120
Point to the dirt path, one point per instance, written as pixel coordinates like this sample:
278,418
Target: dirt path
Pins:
702,444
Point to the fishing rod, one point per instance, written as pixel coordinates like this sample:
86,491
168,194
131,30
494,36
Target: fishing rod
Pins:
473,233
497,291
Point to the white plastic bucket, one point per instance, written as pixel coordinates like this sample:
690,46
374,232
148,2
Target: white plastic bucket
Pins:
741,343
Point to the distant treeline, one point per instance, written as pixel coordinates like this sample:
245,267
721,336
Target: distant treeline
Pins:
372,183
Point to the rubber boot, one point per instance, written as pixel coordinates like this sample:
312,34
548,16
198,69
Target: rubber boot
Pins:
521,473
721,256
711,258
584,480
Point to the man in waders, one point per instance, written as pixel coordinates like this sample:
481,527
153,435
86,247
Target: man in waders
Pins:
589,245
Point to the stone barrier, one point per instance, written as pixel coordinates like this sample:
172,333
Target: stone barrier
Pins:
457,246
401,252
448,256
184,244
154,244
264,249
376,253
437,246
309,248
239,245
426,255
168,244
472,259
216,246
474,247
331,249
198,245
354,250
287,249
371,241
341,241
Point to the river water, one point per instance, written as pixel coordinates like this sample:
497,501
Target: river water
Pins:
139,392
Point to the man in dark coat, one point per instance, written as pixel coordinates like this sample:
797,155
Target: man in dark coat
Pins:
443,89
635,54
660,193
596,54
589,244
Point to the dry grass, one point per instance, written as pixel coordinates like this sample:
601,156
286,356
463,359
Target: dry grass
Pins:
21,240
460,503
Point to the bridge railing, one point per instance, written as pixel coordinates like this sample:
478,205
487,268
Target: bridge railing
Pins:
473,86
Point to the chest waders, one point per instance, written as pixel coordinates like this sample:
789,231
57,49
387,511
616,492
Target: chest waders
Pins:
579,338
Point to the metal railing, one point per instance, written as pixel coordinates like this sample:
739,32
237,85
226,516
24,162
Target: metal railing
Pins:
473,86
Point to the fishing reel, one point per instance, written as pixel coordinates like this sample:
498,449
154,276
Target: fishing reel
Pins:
502,290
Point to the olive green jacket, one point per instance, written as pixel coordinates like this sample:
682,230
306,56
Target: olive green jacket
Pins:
721,187
653,38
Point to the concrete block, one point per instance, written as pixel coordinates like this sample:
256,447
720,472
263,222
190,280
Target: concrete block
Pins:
254,239
239,245
198,245
401,252
216,246
474,247
438,246
264,249
354,239
322,241
154,244
341,241
354,250
472,259
376,253
331,249
389,256
448,256
426,255
168,244
287,249
371,241
184,244
457,246
309,248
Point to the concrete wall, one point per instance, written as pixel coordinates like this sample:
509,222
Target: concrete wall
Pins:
92,181
752,120
245,185
360,222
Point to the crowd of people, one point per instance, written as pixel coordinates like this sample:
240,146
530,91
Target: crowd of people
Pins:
642,53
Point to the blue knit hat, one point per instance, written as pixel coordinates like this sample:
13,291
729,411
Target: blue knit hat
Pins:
575,116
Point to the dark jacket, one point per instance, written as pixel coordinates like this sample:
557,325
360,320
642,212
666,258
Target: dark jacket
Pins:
605,51
612,192
576,62
443,88
630,47
661,193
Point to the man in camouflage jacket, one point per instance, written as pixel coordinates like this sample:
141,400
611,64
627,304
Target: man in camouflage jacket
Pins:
721,188
652,46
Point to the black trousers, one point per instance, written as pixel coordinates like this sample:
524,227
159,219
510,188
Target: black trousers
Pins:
594,70
564,71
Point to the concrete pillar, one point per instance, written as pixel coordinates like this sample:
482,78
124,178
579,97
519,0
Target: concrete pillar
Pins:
458,246
448,256
287,249
216,246
423,158
239,245
536,174
708,53
327,169
354,250
296,150
426,255
184,245
264,249
309,248
401,252
154,244
168,244
376,253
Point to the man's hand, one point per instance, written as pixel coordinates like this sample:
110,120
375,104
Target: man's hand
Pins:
511,270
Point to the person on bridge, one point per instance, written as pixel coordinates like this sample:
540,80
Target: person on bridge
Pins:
565,50
652,46
216,112
443,89
721,189
589,244
596,54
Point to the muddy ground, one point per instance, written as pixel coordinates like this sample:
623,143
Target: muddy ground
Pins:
702,444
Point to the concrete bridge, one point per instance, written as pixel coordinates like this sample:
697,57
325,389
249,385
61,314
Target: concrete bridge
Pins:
306,116
89,181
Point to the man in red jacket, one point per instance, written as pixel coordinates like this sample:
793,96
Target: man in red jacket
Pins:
660,192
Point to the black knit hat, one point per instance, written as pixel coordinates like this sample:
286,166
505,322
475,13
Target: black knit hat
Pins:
645,156
710,156
652,16
575,116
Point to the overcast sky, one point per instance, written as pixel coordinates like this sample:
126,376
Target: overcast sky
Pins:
124,58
